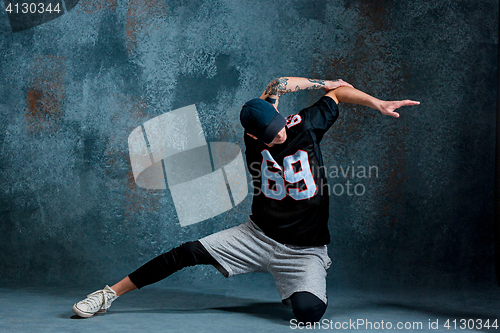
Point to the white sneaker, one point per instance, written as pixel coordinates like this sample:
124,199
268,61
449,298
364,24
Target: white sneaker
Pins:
97,302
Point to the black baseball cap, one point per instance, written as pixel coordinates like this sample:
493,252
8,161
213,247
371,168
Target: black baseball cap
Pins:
261,119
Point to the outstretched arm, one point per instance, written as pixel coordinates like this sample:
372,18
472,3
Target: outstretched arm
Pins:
355,96
285,85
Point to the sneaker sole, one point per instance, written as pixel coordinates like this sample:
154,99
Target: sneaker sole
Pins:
81,313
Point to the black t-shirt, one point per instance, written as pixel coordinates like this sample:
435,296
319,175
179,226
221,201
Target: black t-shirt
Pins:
290,202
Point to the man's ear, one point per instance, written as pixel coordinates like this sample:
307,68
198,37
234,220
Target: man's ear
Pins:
252,136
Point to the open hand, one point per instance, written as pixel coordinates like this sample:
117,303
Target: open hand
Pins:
330,85
388,107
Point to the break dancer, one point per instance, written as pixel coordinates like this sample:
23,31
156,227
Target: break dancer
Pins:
287,233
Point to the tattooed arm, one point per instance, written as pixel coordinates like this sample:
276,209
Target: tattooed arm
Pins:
285,85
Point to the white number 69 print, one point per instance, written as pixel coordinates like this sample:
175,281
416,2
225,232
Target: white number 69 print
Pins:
278,191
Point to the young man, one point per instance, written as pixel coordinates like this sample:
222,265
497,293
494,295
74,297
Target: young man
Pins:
287,232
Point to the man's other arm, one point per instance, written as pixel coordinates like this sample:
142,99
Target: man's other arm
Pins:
354,96
284,85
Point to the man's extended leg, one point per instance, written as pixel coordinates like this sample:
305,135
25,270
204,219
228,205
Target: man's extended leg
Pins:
124,286
188,254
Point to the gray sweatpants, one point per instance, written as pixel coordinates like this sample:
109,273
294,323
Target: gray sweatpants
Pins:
245,249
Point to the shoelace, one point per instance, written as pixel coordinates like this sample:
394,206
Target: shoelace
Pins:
94,299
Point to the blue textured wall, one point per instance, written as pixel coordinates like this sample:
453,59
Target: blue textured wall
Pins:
72,90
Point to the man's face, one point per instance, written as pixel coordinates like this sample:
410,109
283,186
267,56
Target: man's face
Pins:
279,139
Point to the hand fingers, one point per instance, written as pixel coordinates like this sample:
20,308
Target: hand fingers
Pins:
391,113
408,102
345,84
342,83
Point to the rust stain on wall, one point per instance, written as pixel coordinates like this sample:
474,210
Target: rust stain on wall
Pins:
45,94
139,15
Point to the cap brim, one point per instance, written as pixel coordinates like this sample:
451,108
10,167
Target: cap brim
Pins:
274,127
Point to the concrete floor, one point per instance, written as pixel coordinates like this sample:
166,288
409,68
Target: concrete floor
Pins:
239,307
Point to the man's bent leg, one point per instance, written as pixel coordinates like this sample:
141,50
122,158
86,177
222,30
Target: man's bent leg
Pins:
300,276
188,254
307,307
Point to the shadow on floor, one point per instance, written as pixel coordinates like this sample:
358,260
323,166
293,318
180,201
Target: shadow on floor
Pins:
345,305
169,301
